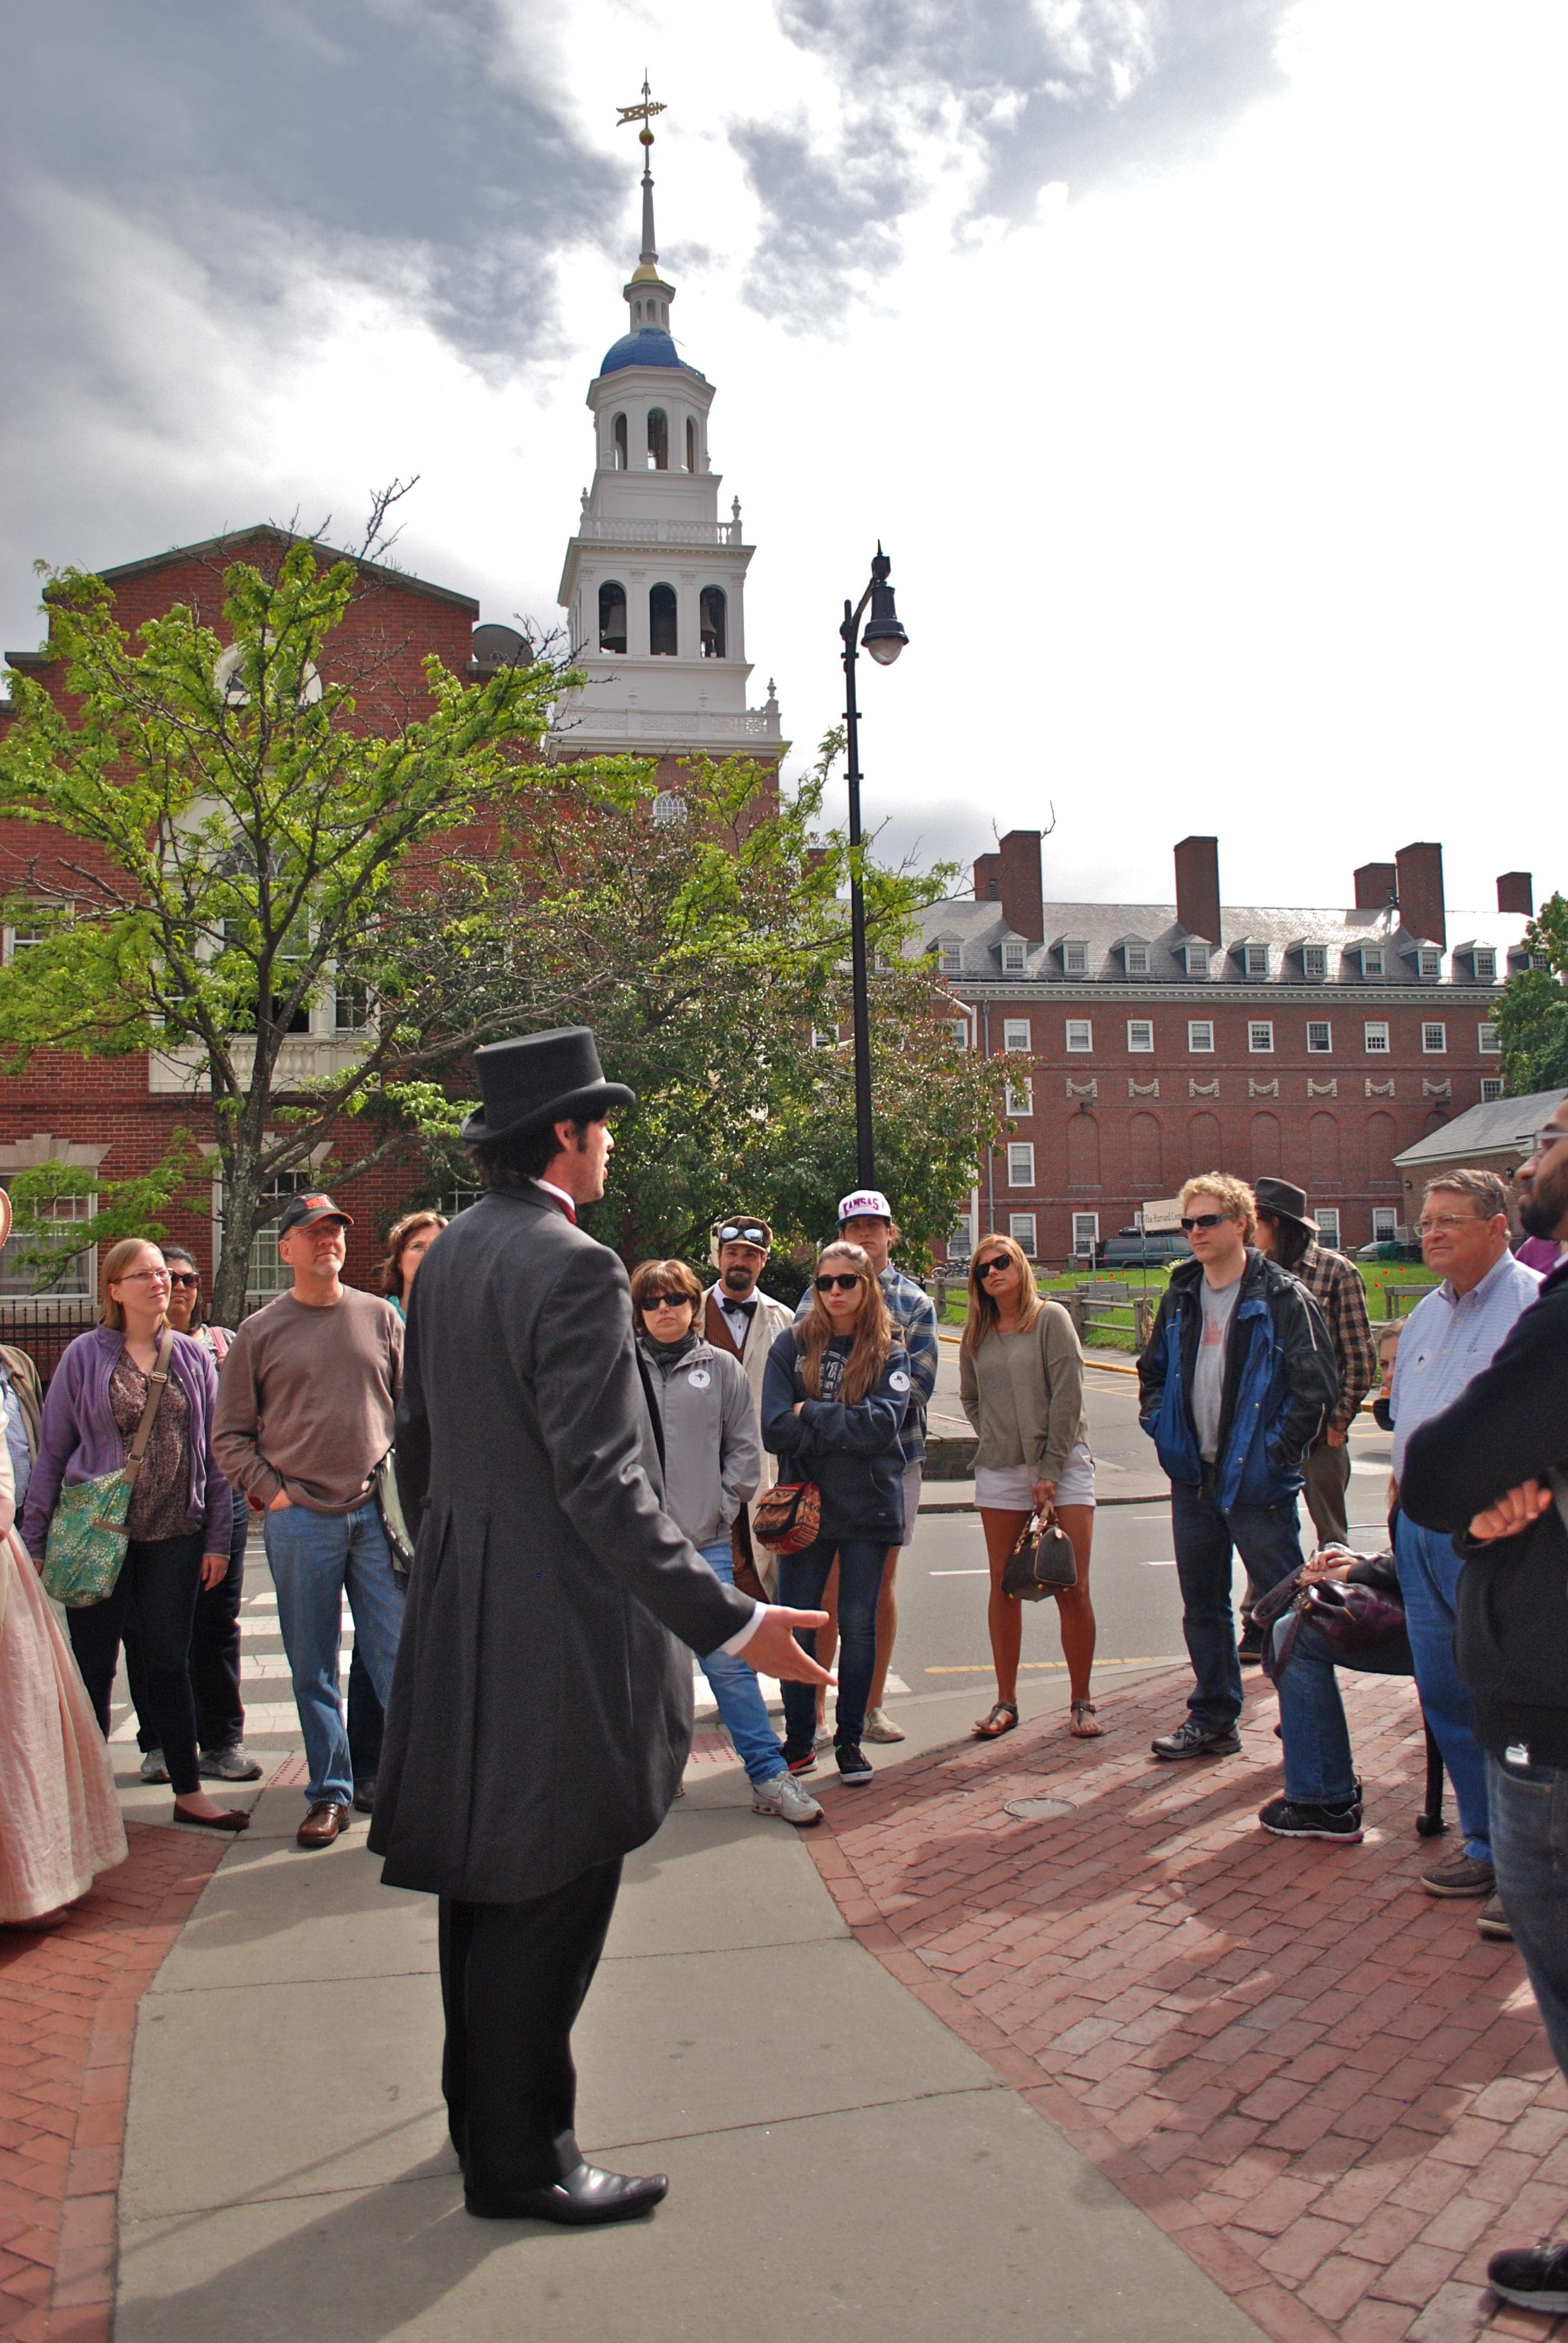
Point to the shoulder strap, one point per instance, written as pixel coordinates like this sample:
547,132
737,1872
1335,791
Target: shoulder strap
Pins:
157,1384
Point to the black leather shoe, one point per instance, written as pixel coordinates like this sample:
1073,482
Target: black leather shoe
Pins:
582,2201
364,1796
1191,1740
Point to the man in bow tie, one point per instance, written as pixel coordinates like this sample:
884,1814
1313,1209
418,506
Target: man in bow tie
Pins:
737,1317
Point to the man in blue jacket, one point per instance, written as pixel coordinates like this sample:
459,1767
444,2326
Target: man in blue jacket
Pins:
1237,1383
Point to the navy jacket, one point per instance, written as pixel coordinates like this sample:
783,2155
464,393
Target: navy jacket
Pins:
853,1454
1281,1382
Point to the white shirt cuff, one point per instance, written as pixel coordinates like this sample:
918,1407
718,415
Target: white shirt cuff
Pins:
742,1636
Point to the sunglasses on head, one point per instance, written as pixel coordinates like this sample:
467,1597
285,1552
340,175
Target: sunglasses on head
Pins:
1203,1220
839,1284
743,1232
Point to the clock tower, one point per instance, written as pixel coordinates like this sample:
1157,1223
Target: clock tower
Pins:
654,585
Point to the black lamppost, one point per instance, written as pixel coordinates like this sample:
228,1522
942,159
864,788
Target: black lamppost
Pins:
884,638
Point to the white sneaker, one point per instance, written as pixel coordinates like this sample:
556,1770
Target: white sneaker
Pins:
782,1795
231,1764
879,1726
153,1766
824,1733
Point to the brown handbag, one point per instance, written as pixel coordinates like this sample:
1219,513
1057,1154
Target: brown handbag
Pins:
789,1517
1042,1561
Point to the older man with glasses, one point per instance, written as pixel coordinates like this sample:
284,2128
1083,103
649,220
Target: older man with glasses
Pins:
1449,1338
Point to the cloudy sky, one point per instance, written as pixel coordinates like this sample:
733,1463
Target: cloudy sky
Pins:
1200,363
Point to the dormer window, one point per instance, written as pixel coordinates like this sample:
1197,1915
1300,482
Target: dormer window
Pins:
1014,954
1075,958
949,957
1254,960
1197,960
1429,963
1314,961
1135,958
1372,959
1486,961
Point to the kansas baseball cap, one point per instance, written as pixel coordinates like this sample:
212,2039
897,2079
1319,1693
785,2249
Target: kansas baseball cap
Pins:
304,1211
865,1203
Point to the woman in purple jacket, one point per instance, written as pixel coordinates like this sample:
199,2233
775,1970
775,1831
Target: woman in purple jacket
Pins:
181,1507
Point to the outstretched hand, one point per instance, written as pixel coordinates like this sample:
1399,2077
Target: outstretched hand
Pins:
1513,1512
772,1651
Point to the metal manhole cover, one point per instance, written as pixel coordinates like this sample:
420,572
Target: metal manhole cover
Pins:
1038,1810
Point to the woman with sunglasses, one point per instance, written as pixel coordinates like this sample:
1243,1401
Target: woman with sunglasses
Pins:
1021,1379
711,1466
833,1401
181,1511
215,1660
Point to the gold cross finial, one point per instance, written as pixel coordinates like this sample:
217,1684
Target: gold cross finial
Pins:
643,114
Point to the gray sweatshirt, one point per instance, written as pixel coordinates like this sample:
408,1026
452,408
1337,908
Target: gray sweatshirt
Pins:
712,1457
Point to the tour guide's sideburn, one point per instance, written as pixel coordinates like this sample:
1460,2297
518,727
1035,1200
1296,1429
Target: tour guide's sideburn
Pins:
541,1715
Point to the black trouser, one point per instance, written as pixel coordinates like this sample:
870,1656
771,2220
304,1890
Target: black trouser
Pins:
366,1721
513,1979
214,1656
155,1599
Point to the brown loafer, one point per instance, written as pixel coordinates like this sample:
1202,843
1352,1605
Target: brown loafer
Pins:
323,1823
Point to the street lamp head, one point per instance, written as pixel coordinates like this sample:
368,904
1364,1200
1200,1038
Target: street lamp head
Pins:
884,638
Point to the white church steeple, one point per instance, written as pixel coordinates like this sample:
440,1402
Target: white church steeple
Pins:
654,583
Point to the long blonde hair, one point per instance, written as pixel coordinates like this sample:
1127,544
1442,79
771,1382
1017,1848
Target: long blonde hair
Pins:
984,1317
873,1331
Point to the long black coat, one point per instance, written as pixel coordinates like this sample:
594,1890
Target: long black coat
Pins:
541,1710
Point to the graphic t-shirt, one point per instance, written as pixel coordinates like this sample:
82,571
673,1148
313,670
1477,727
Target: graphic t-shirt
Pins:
1209,1375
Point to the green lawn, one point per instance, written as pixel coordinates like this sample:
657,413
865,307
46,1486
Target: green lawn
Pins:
1114,1331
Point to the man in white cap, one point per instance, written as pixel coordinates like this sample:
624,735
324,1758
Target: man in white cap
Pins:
738,1317
866,1219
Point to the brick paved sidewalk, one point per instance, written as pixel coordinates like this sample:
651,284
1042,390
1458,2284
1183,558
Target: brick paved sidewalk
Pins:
1321,2082
67,2015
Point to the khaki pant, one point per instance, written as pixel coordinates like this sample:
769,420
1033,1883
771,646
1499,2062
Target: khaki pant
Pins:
1328,1477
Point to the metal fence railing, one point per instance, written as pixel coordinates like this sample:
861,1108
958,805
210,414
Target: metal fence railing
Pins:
43,1327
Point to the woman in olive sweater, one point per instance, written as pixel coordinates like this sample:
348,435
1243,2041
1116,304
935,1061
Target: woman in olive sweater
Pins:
1021,1379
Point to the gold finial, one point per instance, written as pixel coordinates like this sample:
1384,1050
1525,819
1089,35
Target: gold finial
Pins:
643,113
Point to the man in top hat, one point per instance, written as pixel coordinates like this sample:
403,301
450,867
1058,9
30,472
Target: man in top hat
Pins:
540,1717
1286,1233
304,1418
738,1317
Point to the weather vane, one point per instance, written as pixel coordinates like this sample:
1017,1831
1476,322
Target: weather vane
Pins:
644,112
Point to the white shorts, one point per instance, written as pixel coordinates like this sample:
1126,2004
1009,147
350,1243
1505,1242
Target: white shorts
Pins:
1010,1489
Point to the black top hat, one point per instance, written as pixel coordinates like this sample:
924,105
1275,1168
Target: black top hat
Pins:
540,1079
1286,1202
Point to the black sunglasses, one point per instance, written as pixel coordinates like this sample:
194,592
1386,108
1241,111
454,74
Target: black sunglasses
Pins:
1203,1220
839,1284
989,1268
184,1277
657,1300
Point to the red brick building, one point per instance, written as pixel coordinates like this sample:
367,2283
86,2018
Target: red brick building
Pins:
1155,1040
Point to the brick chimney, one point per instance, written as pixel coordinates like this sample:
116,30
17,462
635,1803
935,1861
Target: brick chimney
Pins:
1516,892
1017,883
1377,883
1421,909
1197,887
988,877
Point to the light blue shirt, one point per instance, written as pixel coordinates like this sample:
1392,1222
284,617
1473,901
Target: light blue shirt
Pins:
16,1439
1447,1341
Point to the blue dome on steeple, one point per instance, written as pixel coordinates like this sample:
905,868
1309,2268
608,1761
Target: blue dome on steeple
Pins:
650,345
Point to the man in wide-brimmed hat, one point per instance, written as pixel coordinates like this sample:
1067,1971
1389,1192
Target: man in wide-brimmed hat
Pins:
541,1714
1285,1231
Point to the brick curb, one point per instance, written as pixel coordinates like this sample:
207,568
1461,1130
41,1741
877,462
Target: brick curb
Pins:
1321,2084
67,2023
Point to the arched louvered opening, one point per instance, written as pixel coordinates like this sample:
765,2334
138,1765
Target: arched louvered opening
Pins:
661,627
612,617
714,611
620,443
658,439
691,443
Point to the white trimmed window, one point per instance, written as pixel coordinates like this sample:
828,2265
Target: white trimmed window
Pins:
824,1037
78,1281
1197,959
266,1275
1384,1223
1200,1036
960,1031
1429,963
1135,958
1371,960
1320,1037
1141,1036
1327,1217
1488,1040
1261,1036
949,957
1021,1163
1075,960
1485,964
1085,1232
1491,1088
1314,960
1375,1037
1255,960
1434,1039
458,1199
1079,1036
1015,1035
1021,1229
1014,953
1020,1097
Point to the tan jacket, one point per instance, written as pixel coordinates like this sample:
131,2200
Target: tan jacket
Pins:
768,1323
1023,1394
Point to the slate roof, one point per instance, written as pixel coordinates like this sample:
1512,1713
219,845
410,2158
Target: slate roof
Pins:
1498,1127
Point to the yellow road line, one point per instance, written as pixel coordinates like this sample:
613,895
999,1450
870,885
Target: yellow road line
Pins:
988,1667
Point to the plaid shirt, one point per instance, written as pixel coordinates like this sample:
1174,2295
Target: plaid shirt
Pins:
914,1318
1336,1285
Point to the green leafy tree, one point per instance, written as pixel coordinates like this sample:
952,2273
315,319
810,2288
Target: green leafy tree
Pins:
222,846
1532,1014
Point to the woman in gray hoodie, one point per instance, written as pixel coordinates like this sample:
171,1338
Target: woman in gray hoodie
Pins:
712,1464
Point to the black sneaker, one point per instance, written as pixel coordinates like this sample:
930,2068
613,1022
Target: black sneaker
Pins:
1536,2278
1250,1643
1286,1821
805,1764
852,1766
1194,1740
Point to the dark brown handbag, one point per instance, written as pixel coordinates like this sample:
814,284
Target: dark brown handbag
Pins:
1042,1561
789,1517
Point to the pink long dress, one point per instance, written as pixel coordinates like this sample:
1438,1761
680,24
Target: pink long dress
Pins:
59,1813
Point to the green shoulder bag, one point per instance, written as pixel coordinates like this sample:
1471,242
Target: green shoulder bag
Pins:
87,1534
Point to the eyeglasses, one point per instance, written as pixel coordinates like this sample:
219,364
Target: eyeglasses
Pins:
144,1277
1544,1141
989,1268
185,1277
1445,1220
746,1234
1203,1220
839,1284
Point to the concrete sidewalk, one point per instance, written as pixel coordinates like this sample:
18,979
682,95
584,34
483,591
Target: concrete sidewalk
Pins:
836,2152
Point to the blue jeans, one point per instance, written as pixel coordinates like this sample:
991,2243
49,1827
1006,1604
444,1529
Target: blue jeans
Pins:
801,1578
1529,1811
1319,1768
1205,1538
313,1557
742,1707
1429,1571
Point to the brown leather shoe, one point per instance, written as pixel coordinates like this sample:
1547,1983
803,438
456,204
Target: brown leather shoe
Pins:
323,1823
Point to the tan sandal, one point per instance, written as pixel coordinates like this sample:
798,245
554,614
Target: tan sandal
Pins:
1003,1718
1081,1731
